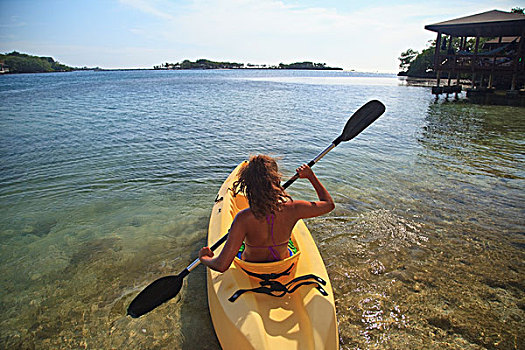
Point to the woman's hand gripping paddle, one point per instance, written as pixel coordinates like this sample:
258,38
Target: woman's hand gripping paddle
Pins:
167,287
358,122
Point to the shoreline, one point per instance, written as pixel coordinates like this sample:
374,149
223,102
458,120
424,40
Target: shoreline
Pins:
177,69
205,69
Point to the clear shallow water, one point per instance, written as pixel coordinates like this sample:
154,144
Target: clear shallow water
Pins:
107,179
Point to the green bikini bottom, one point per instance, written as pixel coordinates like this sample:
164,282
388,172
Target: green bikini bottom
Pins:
291,248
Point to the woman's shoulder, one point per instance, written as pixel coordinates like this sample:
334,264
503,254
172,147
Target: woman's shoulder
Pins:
296,203
245,216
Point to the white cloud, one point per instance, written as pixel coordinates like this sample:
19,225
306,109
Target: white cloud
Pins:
272,31
149,7
14,22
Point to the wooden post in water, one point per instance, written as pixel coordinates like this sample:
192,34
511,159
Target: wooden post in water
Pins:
461,48
493,67
449,60
519,54
474,61
437,59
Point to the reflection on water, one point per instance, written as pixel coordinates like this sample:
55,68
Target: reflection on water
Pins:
425,249
449,272
350,80
476,139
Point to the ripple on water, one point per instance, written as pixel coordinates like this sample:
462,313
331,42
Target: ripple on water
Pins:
395,279
107,179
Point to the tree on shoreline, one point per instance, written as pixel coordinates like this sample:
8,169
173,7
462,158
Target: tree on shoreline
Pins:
406,59
418,64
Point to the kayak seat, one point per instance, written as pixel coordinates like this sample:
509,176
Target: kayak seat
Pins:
270,285
275,267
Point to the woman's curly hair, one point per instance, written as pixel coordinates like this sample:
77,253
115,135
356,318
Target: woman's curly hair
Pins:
260,180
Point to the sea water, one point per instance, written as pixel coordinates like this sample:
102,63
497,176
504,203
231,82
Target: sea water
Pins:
107,180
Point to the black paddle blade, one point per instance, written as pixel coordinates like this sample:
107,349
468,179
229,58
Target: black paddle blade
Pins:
360,120
155,294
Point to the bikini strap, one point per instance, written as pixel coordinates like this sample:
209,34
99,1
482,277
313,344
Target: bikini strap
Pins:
265,246
270,219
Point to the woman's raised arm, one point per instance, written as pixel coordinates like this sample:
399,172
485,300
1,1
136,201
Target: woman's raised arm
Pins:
324,205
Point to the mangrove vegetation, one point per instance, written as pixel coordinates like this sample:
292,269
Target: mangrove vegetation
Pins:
16,62
208,64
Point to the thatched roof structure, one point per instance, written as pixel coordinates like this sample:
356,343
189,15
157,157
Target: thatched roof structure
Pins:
487,24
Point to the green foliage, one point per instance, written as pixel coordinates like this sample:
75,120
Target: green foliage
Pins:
518,10
406,59
421,64
307,65
207,64
200,64
23,63
418,64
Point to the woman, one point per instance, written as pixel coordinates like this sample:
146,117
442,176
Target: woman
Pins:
266,226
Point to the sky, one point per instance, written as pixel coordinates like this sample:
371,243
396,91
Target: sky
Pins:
366,36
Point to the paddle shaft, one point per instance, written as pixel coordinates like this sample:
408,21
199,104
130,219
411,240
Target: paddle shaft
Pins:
165,288
379,108
310,164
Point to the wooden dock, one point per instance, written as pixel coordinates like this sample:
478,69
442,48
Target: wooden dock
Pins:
466,49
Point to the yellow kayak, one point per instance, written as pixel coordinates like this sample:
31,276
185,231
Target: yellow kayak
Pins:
303,317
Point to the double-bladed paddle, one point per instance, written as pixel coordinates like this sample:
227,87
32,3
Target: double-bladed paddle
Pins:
168,287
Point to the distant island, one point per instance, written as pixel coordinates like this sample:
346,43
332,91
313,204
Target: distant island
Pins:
16,62
207,64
